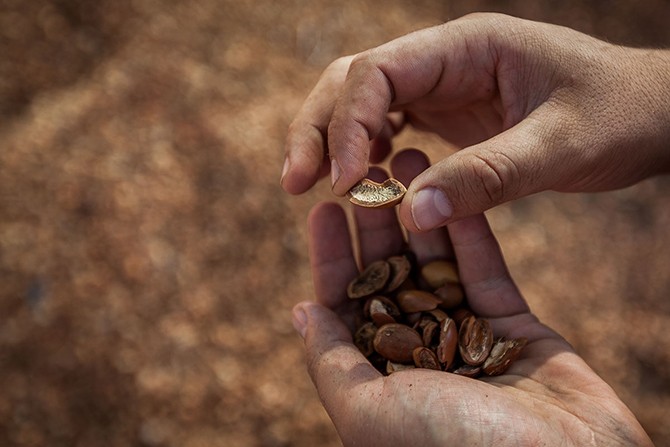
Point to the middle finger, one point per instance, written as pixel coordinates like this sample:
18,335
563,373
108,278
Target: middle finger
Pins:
379,233
430,245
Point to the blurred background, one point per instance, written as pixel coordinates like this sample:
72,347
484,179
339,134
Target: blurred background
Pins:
149,259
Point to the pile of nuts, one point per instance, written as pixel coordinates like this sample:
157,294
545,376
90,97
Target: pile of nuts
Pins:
419,319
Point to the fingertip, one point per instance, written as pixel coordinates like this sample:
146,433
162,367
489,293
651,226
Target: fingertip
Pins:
405,214
299,319
303,162
350,155
408,163
344,179
325,212
430,208
321,325
295,183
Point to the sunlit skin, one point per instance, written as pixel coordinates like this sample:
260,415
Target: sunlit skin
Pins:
549,396
534,106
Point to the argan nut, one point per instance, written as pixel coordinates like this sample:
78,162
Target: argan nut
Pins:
381,310
396,342
371,280
459,315
425,358
413,318
363,338
468,371
438,314
475,339
451,294
371,194
503,353
410,301
400,268
438,273
428,328
446,349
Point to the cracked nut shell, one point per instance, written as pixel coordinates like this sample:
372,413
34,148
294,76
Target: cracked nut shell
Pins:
369,194
371,280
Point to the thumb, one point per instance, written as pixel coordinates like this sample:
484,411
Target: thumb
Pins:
335,365
513,164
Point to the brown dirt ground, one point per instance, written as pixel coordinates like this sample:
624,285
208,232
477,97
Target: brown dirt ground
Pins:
149,260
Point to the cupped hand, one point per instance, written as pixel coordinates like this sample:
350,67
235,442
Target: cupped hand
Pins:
536,107
549,395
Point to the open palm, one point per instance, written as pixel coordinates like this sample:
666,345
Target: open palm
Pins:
549,396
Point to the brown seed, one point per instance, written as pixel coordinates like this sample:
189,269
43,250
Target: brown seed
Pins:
446,349
371,280
400,268
416,301
503,353
413,318
371,194
475,339
396,342
468,371
425,358
409,284
438,314
428,328
363,338
459,315
438,273
381,310
451,294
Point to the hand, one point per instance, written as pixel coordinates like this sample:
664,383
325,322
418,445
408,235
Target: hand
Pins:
549,396
538,107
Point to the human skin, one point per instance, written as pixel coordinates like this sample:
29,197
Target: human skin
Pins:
548,396
533,106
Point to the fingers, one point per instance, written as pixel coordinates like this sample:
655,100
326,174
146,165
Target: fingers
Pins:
381,146
379,234
395,71
306,158
306,144
490,289
427,246
521,161
330,253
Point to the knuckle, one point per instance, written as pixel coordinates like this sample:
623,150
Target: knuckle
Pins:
494,174
338,66
364,61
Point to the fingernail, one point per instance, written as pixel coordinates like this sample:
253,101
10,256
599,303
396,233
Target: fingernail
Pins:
284,170
335,171
430,208
299,320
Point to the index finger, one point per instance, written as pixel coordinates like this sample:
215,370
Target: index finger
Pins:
306,142
402,73
331,254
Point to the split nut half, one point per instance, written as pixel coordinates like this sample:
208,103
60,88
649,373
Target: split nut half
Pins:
371,194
